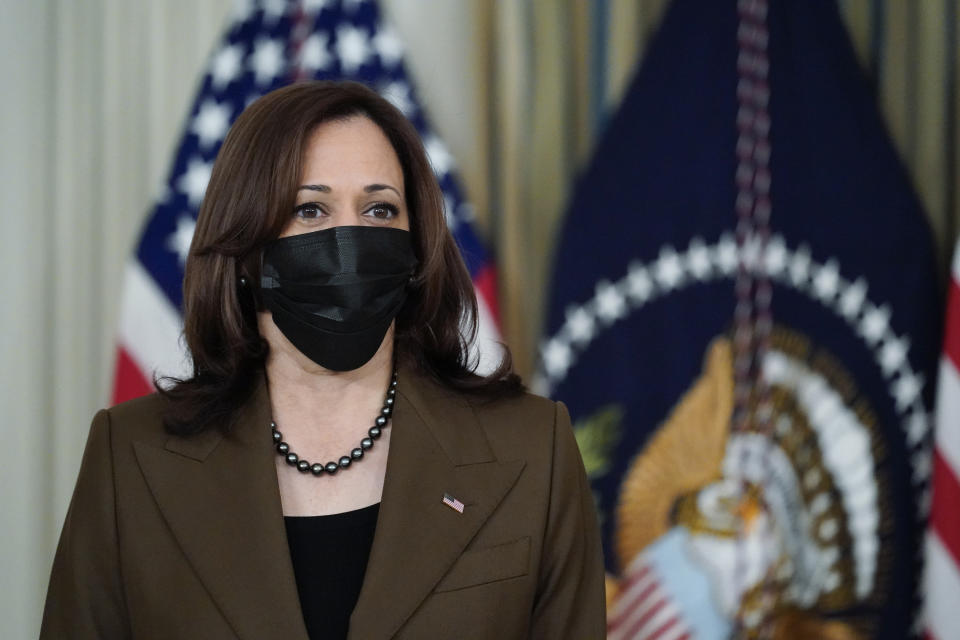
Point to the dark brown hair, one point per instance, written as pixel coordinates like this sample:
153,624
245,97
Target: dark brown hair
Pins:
250,199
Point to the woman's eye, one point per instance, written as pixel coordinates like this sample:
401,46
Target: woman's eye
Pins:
383,211
308,211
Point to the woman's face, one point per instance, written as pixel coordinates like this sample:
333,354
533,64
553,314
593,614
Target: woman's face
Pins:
351,176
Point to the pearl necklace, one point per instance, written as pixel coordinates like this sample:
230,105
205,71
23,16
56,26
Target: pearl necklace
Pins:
373,433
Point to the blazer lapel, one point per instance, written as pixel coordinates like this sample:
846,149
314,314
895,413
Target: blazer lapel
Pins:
437,447
221,499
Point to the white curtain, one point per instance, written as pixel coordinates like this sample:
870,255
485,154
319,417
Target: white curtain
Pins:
95,95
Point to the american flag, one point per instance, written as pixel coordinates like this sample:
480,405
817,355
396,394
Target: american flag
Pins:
943,535
453,503
270,43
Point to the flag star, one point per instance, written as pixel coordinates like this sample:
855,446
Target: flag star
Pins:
726,257
826,282
893,353
557,358
194,180
917,426
698,259
874,323
440,158
581,326
449,209
353,47
388,46
852,298
267,60
906,389
775,256
398,93
179,241
226,66
639,283
273,10
466,212
314,55
242,9
800,266
211,122
669,269
610,303
922,465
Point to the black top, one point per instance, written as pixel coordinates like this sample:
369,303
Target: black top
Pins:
329,556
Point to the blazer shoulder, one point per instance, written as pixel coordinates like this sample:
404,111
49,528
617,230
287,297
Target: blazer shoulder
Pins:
525,420
139,419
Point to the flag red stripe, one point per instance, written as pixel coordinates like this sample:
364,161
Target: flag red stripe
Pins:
666,626
635,629
486,285
951,340
129,381
944,513
634,603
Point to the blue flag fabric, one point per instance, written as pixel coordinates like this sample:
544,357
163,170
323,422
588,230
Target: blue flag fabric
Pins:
815,524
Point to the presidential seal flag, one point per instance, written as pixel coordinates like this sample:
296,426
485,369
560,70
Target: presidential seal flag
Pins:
270,43
744,323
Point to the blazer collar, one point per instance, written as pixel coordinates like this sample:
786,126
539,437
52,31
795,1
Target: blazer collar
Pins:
221,499
437,447
220,496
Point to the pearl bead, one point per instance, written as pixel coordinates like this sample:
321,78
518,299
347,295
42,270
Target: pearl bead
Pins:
386,411
390,401
292,458
283,448
277,437
381,421
374,432
393,383
366,443
344,462
391,393
303,466
317,469
331,467
357,453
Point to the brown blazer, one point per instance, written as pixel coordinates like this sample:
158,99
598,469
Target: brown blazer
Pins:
171,537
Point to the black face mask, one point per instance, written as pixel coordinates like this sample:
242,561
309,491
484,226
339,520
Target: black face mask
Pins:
333,293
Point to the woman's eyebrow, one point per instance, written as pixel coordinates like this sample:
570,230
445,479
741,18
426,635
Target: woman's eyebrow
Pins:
370,188
315,187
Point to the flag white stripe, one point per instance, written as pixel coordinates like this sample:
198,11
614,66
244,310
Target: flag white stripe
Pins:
487,342
947,433
150,327
661,617
943,590
638,609
627,599
955,267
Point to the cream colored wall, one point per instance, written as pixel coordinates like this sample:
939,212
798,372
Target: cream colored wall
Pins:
95,93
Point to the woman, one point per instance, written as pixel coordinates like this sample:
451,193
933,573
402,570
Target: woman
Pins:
333,468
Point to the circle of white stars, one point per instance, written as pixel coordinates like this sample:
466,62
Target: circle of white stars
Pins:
794,268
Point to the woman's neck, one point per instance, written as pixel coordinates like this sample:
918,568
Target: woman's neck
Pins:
310,399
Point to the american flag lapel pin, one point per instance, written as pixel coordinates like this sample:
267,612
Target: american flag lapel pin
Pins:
453,503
